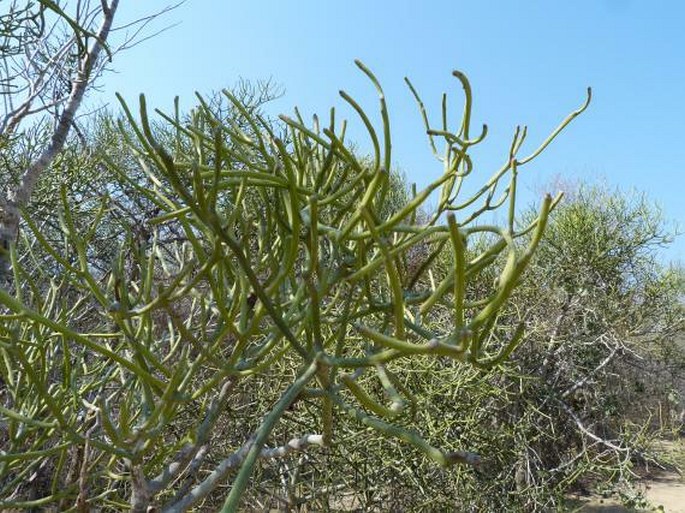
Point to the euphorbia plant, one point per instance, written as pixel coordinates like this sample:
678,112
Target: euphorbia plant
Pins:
288,259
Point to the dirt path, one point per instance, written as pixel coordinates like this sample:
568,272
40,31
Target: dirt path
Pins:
668,491
665,493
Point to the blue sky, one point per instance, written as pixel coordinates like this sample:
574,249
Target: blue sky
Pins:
529,63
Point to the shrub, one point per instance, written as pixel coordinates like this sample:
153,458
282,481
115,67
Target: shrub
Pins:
266,303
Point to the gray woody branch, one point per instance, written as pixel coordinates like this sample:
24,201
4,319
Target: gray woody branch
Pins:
17,198
233,461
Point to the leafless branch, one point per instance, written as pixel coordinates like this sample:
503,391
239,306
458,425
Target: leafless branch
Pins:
79,86
233,461
587,377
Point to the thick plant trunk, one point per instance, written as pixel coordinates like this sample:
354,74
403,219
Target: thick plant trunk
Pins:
9,228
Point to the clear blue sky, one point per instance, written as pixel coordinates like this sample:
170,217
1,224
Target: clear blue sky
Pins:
529,63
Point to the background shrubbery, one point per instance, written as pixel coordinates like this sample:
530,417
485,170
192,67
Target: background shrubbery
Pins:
115,227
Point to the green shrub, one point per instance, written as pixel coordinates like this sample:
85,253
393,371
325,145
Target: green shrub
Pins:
261,291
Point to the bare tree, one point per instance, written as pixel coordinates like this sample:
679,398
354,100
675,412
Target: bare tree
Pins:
54,58
52,53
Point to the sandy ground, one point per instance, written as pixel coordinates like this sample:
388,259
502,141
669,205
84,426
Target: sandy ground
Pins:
665,492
